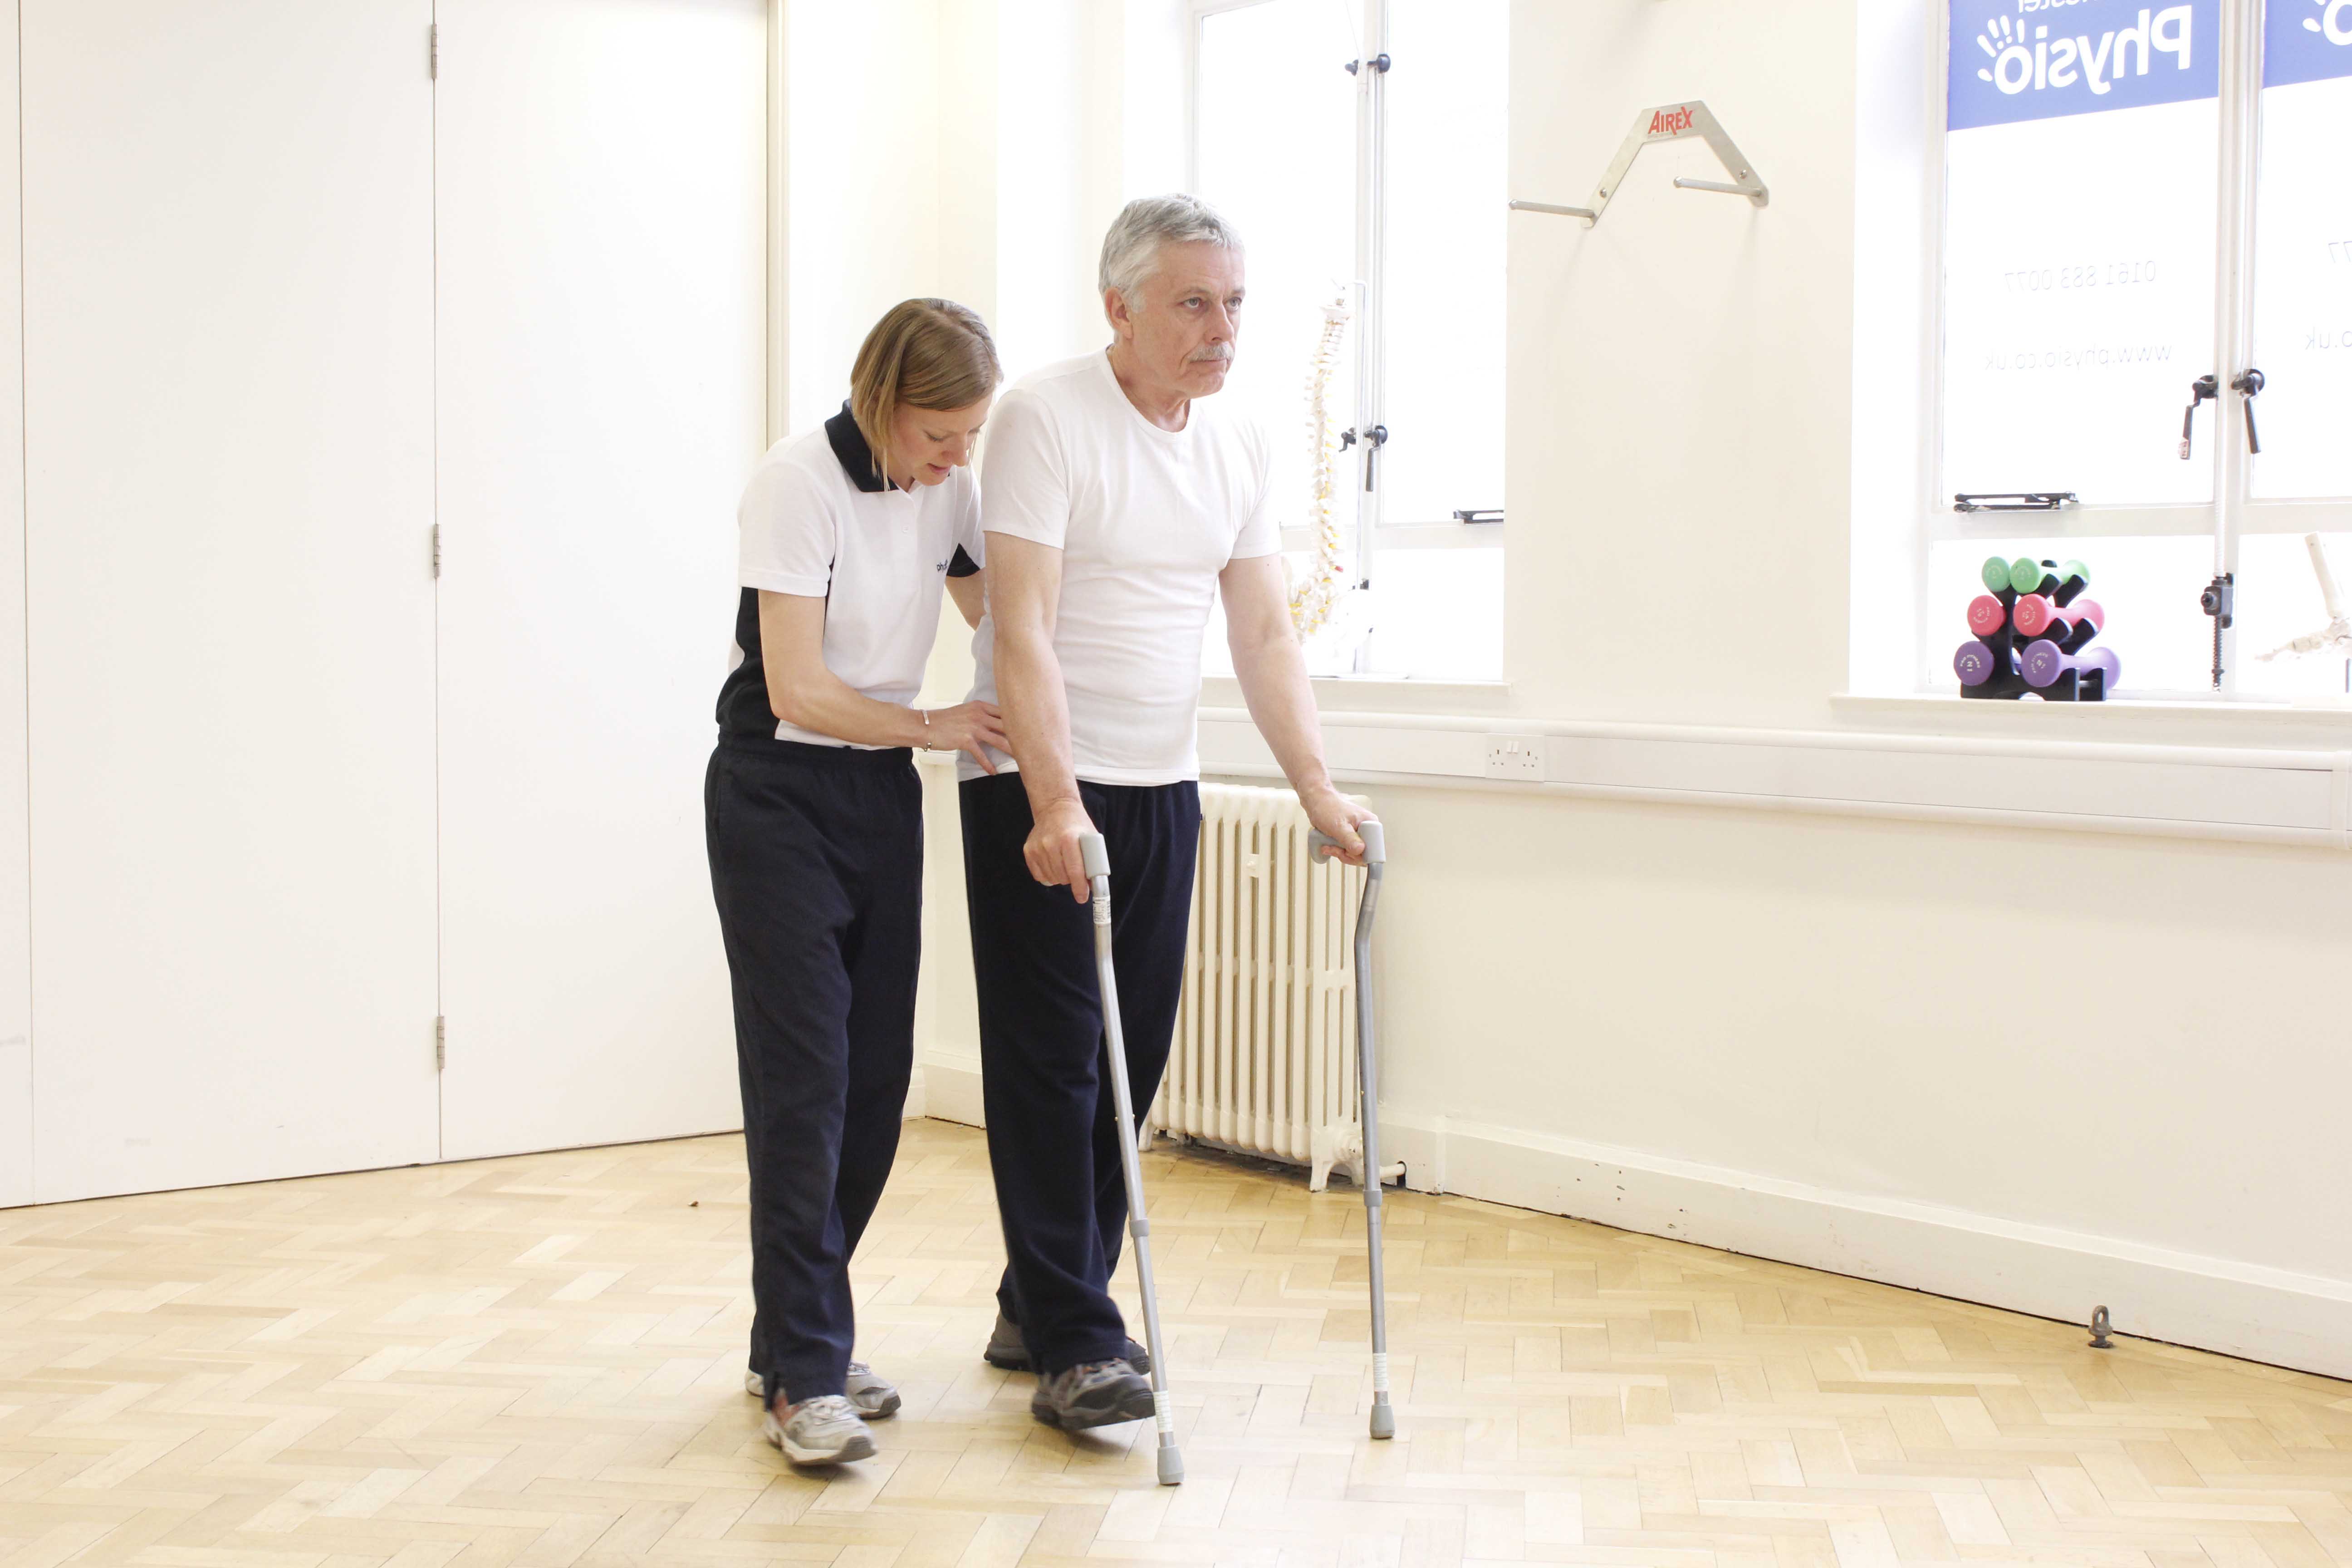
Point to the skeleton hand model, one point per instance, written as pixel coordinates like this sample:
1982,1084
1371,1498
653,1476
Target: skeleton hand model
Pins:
2336,635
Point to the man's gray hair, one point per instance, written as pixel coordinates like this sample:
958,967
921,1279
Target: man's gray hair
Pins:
1133,247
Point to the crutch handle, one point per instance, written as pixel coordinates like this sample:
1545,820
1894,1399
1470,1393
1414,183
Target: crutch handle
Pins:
1095,854
1369,830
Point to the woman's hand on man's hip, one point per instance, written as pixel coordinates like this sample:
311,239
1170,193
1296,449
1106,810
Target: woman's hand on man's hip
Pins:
971,728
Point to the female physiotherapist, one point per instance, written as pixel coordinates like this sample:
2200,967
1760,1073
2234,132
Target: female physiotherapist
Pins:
814,819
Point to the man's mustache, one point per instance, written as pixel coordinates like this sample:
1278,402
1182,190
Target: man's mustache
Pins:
1221,353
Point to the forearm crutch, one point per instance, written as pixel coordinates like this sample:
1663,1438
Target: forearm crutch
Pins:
1164,1412
1368,1077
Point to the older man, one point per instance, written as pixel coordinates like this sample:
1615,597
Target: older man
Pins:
1115,503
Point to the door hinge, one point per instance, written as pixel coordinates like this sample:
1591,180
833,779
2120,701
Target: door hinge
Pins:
440,1043
436,550
433,50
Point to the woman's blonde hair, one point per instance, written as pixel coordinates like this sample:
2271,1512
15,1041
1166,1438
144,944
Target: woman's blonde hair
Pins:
922,353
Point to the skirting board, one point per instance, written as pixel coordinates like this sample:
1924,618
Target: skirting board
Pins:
2298,1321
951,1088
2288,1320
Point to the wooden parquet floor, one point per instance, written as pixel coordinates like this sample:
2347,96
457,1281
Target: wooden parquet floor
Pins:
537,1361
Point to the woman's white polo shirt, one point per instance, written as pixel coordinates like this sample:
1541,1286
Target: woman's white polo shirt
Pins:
817,521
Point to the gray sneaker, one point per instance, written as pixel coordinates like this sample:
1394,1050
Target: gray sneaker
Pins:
1097,1393
826,1431
877,1398
1009,1351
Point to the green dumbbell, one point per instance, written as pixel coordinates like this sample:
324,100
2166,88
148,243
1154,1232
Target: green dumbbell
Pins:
2027,575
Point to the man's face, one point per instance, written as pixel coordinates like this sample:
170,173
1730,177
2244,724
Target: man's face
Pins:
1185,318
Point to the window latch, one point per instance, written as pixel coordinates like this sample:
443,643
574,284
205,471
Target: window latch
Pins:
2203,388
2014,500
2248,385
1374,439
1378,62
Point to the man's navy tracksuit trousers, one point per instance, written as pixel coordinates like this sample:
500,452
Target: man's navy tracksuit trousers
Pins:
1052,1128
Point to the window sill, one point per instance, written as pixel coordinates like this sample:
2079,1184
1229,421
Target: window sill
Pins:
1378,694
2273,788
2131,719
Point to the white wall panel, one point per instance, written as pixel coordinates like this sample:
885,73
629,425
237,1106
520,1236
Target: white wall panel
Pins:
228,489
869,184
602,288
16,891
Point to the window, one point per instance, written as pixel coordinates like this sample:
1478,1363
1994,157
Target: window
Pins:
2137,197
1382,191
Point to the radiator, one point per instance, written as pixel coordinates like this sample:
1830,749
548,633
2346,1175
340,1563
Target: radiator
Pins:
1264,1059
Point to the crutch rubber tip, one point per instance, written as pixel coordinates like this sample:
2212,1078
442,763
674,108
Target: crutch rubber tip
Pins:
1383,1420
1171,1467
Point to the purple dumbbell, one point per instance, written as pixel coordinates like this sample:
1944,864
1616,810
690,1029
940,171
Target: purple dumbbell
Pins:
1978,662
2045,662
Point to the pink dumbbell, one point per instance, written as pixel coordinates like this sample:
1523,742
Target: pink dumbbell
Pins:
1987,615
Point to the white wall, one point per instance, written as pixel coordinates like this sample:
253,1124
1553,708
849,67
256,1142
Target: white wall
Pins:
16,871
1016,128
862,145
2044,1071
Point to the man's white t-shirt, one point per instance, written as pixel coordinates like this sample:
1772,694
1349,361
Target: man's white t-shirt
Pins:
1144,519
818,521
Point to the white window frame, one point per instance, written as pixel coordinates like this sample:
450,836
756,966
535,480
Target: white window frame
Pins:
1375,532
2235,512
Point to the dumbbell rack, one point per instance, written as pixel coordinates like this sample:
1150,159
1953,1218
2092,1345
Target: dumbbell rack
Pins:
2033,635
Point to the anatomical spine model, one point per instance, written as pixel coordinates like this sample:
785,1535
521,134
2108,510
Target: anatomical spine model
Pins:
1311,600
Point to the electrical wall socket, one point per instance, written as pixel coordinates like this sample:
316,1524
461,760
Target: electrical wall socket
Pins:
1515,757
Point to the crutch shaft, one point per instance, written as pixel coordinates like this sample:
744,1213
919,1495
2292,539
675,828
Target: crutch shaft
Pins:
1139,1224
1383,1419
1375,841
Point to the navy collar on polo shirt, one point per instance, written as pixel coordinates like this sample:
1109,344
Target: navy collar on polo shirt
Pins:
855,457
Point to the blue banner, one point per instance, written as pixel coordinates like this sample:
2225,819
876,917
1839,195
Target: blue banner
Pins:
2306,40
2037,60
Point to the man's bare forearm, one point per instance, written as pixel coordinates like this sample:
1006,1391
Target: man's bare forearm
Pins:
1272,669
1036,717
1272,676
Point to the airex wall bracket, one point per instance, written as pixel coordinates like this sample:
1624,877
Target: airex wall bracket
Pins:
1668,123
